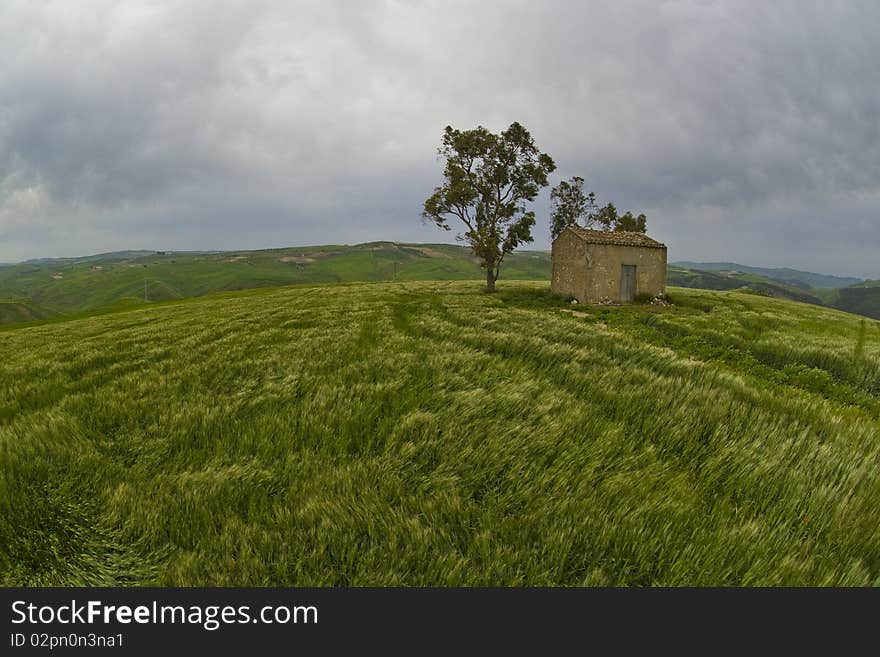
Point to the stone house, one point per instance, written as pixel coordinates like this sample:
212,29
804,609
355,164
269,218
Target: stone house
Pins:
593,265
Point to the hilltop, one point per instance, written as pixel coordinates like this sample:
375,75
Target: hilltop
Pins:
430,434
47,287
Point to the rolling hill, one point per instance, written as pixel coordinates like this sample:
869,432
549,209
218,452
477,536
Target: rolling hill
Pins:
862,299
717,280
77,285
13,311
791,277
46,288
425,433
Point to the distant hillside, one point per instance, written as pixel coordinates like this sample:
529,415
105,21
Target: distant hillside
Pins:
46,287
862,299
13,311
792,277
74,285
708,280
115,255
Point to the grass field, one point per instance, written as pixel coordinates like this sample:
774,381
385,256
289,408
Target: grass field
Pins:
430,434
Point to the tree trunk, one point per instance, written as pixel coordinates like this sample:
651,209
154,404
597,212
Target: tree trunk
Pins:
490,280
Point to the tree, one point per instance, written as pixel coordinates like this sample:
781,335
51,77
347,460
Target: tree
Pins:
571,205
606,217
632,224
488,179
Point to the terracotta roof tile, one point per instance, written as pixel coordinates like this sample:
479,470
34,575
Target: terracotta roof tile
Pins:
617,238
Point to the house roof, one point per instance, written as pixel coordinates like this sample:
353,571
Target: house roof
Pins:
617,238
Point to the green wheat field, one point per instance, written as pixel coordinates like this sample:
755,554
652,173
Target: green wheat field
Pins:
424,433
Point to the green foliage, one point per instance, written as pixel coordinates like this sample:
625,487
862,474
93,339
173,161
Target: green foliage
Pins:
426,434
609,219
488,180
606,216
571,206
627,222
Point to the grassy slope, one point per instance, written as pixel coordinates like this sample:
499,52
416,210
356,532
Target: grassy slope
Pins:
80,285
426,433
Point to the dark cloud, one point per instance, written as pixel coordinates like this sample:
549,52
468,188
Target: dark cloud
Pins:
746,131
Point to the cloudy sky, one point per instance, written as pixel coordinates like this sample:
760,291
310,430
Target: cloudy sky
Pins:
745,131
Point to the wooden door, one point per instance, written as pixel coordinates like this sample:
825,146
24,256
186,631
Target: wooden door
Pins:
627,282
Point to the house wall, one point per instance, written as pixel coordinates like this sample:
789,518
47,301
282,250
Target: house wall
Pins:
603,266
589,272
569,257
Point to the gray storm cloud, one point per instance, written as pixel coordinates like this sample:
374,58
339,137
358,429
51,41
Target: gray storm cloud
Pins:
746,131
